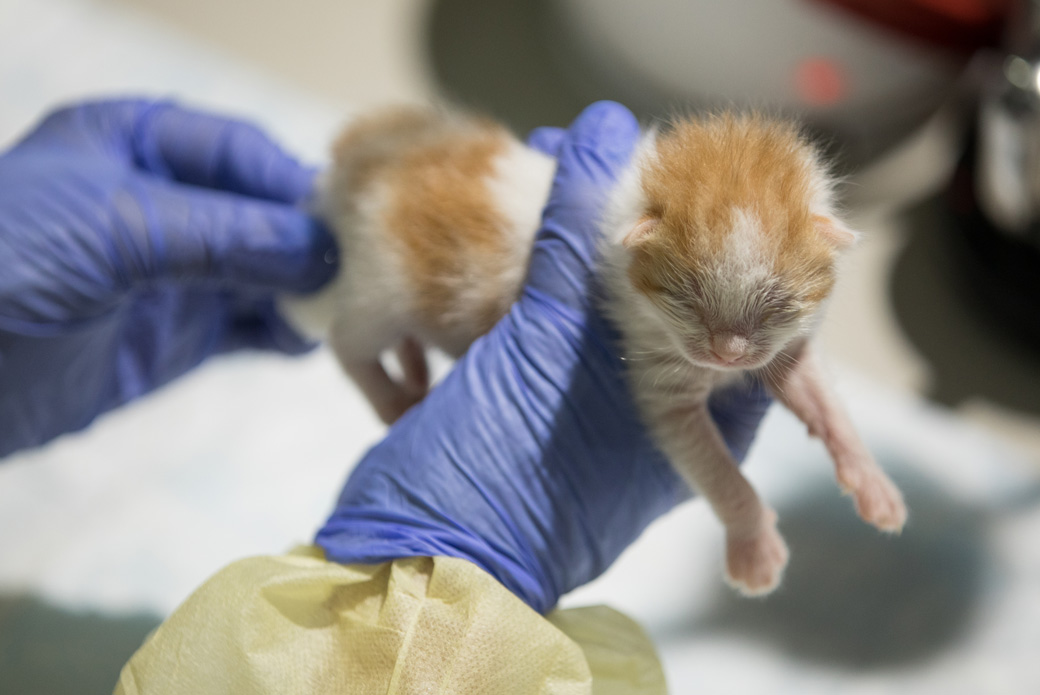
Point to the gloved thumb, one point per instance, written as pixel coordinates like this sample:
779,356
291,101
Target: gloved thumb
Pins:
591,155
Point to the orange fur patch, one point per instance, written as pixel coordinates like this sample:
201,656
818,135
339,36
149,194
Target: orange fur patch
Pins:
449,233
706,168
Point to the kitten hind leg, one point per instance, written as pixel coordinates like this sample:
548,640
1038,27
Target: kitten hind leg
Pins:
414,367
389,398
801,387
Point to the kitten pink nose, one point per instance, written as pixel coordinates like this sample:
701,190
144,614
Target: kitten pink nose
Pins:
729,348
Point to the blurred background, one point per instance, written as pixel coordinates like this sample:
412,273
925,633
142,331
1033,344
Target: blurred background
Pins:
930,110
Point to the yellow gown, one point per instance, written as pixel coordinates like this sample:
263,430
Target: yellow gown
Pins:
298,624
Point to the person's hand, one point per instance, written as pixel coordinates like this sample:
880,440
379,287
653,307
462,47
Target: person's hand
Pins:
136,239
529,459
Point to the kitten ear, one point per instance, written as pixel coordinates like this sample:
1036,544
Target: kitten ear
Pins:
835,231
643,230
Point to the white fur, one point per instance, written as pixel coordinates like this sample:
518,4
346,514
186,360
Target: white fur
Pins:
745,266
520,187
370,288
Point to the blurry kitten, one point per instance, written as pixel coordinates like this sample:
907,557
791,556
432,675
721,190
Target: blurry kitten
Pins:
435,213
721,248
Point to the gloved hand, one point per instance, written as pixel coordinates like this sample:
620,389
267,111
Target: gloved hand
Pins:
529,459
136,239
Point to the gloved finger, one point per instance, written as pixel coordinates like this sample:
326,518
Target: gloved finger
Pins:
737,411
595,150
217,152
191,147
547,140
194,234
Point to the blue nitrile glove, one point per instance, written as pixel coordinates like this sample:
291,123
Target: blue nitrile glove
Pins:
136,239
529,458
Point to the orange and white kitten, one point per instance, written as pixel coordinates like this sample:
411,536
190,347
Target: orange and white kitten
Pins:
721,245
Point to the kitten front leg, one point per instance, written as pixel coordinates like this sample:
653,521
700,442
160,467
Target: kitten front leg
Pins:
800,385
755,552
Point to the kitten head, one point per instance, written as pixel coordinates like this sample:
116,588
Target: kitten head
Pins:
737,243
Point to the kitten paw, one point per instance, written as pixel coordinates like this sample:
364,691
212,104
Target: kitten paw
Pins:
755,563
394,405
879,502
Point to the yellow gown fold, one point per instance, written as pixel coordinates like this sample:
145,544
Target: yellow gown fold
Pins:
298,624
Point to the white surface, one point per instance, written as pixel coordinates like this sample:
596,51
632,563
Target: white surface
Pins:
951,606
246,456
243,457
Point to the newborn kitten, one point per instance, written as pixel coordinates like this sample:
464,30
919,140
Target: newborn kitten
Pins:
435,213
721,248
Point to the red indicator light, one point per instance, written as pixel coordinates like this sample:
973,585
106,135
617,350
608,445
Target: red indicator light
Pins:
820,82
